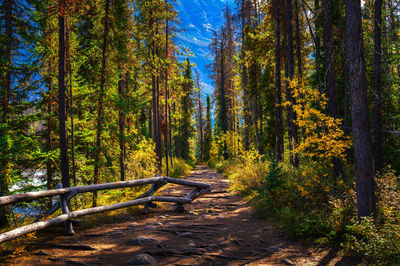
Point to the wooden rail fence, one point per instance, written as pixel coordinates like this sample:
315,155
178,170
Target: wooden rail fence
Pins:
66,194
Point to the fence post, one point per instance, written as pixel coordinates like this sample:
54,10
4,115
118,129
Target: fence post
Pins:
64,208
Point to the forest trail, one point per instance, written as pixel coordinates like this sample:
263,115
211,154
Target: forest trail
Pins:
218,229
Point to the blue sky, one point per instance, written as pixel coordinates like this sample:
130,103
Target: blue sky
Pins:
199,18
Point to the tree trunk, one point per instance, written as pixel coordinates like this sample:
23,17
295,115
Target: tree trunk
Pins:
166,98
49,143
71,107
121,124
158,143
298,40
359,110
278,89
318,57
244,17
61,98
200,113
290,60
100,102
378,87
170,135
330,78
4,130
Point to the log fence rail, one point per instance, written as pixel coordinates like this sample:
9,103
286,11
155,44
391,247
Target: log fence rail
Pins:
66,194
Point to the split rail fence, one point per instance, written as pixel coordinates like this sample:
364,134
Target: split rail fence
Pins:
66,194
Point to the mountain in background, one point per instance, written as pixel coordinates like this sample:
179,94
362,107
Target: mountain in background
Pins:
198,20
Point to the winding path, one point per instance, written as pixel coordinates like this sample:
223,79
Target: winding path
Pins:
218,229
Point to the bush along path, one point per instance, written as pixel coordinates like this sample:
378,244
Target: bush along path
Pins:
218,229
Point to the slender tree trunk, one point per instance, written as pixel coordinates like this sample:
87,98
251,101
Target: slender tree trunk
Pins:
4,130
166,97
49,143
61,98
223,97
99,128
359,110
121,124
298,40
246,110
318,57
159,142
71,108
170,134
330,78
290,59
200,113
150,123
278,89
378,87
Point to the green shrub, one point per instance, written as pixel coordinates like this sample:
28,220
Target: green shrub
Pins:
142,162
180,168
378,237
310,204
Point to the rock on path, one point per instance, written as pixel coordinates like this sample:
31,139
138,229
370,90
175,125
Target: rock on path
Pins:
218,229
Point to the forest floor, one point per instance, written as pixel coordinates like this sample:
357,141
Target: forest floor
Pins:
218,229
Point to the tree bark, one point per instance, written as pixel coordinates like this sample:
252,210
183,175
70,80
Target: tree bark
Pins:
378,87
49,143
330,78
278,88
4,130
61,97
298,40
244,17
200,116
71,107
166,96
100,101
359,110
290,61
318,57
121,124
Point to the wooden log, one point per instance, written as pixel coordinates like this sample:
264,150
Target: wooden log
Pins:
202,193
193,193
186,182
159,185
64,217
179,207
55,207
171,199
150,193
68,216
29,196
64,208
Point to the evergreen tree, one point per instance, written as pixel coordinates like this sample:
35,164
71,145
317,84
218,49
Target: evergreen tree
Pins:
186,129
208,131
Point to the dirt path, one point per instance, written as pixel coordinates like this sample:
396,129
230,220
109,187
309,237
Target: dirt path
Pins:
218,229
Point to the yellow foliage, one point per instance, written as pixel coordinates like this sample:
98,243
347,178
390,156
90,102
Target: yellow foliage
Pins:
323,137
142,162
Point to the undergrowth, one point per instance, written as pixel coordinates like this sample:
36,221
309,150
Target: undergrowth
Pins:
311,205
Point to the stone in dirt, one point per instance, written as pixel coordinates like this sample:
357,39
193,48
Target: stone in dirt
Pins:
191,243
185,234
143,241
150,227
73,262
287,262
271,250
191,251
142,259
41,253
164,252
224,243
